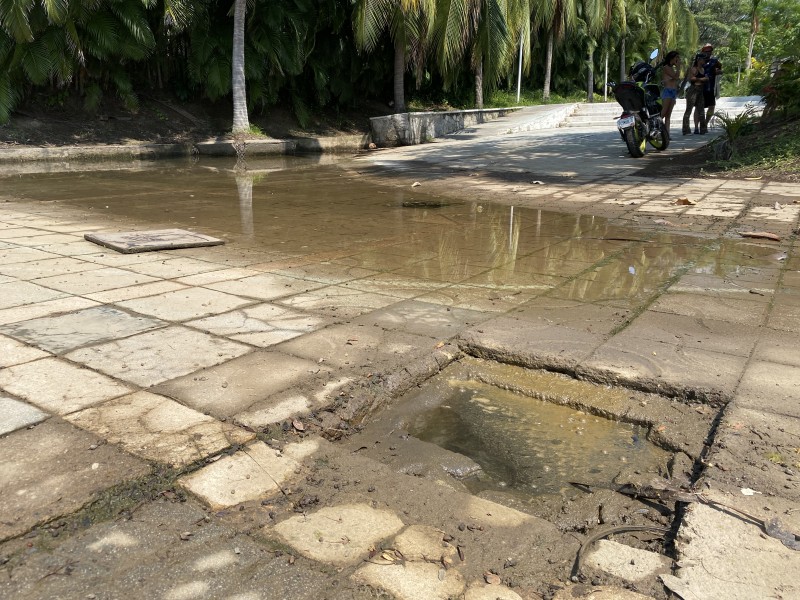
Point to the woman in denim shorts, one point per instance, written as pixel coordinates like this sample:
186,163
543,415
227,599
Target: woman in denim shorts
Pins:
669,85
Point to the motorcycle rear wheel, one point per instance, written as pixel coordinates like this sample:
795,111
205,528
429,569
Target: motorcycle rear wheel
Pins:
635,141
660,141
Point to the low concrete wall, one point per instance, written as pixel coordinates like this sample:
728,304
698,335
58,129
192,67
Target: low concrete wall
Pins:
406,129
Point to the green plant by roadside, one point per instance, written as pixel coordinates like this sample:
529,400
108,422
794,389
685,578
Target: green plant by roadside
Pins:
767,146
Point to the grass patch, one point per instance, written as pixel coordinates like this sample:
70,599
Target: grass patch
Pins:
767,148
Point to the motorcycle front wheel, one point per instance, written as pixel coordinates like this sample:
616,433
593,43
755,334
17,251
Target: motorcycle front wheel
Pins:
660,139
635,141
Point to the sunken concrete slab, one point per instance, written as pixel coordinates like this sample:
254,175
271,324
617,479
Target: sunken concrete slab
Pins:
413,581
72,330
423,318
321,535
150,358
159,429
241,384
254,472
52,470
148,555
355,345
723,556
128,242
58,386
532,344
13,352
629,564
263,325
16,415
183,304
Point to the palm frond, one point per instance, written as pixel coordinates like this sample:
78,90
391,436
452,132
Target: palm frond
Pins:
15,19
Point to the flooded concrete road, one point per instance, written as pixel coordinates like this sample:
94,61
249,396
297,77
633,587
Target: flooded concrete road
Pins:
215,403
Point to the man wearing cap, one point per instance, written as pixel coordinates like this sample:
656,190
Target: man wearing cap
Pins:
713,69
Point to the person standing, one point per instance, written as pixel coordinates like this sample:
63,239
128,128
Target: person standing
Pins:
670,75
694,95
712,70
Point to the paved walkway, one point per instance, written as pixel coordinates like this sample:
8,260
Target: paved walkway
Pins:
167,417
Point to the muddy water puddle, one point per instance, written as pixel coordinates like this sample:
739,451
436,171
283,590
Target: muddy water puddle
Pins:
533,446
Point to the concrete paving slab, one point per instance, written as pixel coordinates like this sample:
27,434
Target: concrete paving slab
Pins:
262,325
770,387
275,410
173,268
777,347
339,535
481,298
413,581
422,543
722,556
150,358
582,316
392,284
731,310
785,314
537,344
16,415
356,345
159,429
72,330
136,291
241,384
18,254
58,386
220,274
629,564
50,471
602,592
45,238
267,286
27,271
20,293
254,472
147,241
184,304
422,318
482,591
41,309
96,280
633,359
338,302
13,352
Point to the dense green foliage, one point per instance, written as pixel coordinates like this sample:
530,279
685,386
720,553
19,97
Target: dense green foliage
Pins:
305,53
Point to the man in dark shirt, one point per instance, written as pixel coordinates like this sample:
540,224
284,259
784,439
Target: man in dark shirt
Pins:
713,70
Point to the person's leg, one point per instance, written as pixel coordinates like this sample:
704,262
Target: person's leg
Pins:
710,102
666,111
699,114
688,111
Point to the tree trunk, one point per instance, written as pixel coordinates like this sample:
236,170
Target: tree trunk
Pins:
548,67
605,81
749,62
623,70
590,76
479,84
399,74
240,121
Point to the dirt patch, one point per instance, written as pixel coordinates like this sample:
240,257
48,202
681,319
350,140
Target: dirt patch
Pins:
165,120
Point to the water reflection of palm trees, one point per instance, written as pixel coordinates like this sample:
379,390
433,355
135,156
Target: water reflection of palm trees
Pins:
244,186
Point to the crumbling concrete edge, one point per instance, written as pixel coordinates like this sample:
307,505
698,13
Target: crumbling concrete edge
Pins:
408,129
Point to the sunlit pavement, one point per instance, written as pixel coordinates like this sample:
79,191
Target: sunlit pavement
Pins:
552,248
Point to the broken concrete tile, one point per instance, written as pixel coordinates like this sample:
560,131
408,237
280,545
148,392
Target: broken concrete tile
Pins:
255,471
156,356
13,352
483,591
627,563
274,410
52,470
340,535
263,325
423,543
486,512
16,415
239,384
601,592
187,303
159,429
66,332
724,556
413,581
59,386
147,241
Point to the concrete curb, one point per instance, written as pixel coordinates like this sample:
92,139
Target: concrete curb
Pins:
350,143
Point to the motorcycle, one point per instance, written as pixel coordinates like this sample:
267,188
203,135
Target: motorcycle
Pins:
640,98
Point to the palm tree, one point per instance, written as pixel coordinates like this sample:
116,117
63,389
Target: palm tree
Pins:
753,31
409,23
557,17
241,122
